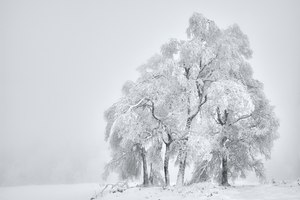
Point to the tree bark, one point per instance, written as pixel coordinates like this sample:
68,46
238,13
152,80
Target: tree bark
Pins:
224,175
181,171
166,165
182,162
224,170
151,178
145,171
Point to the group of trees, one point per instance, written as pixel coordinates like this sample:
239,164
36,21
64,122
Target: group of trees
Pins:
198,103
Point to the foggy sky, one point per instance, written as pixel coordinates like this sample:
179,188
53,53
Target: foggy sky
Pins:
63,63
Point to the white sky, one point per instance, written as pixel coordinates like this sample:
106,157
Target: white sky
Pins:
63,63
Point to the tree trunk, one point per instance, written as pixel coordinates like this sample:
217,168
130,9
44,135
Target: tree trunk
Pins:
182,162
181,171
145,171
151,178
224,171
224,175
166,165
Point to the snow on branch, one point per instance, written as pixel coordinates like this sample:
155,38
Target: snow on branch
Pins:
127,111
241,118
205,65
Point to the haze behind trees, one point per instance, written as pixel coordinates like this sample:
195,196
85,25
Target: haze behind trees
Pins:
59,58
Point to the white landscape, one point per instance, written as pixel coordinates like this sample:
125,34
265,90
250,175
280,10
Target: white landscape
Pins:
287,190
149,100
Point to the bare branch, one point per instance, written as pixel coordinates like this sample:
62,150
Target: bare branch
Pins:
119,187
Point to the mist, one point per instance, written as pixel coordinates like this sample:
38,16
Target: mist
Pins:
63,63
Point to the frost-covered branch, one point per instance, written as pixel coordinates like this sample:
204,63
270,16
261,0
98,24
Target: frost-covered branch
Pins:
204,66
128,110
219,118
241,118
124,154
191,117
152,108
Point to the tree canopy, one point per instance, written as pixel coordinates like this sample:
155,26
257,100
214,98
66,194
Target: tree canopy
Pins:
197,102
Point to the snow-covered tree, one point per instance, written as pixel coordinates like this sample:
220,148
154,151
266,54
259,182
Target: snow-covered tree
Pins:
241,126
148,110
198,99
208,55
127,132
165,97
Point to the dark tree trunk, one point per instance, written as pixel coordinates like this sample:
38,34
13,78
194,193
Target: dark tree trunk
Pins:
181,171
166,165
224,175
145,171
182,162
182,152
151,178
224,170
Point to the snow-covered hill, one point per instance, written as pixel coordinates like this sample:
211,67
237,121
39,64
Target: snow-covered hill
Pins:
277,191
280,191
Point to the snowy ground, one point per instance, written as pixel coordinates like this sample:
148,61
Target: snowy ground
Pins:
278,191
49,192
